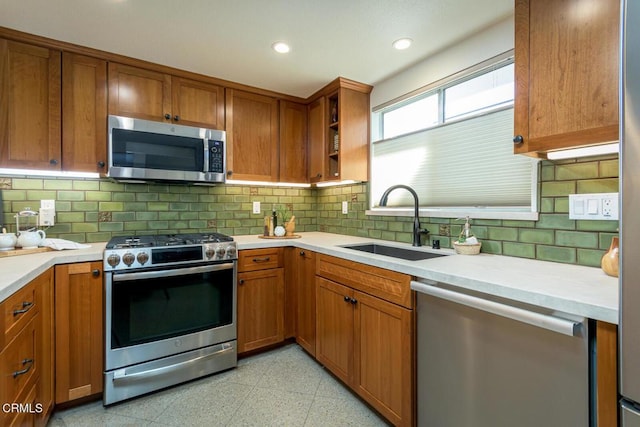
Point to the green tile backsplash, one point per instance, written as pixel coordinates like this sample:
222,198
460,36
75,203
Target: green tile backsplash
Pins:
92,210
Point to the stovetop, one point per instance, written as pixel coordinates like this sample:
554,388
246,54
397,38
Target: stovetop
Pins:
125,242
138,252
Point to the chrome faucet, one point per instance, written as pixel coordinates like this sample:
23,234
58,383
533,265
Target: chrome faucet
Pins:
416,222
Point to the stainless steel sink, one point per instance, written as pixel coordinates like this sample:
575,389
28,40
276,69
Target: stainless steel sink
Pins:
392,251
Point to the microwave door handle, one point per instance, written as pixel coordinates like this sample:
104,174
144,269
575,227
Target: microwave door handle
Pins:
205,145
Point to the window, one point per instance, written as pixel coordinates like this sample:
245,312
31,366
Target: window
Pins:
452,144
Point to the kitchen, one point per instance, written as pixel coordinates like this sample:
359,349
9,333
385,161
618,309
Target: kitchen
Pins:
93,211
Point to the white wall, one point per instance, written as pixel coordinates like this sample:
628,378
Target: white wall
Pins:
482,46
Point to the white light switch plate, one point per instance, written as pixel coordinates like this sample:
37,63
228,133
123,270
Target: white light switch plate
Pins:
345,207
256,207
598,206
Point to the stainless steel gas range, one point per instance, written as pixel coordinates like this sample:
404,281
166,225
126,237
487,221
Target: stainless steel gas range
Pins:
170,311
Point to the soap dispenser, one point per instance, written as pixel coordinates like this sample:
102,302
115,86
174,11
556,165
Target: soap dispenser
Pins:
466,233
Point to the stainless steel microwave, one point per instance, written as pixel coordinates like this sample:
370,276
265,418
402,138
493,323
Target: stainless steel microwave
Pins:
143,150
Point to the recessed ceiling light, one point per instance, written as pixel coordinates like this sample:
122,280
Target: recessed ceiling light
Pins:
402,44
281,47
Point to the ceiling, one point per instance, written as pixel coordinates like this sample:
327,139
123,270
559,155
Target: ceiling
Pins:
231,39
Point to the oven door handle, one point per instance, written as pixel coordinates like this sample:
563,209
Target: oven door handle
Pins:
120,277
121,375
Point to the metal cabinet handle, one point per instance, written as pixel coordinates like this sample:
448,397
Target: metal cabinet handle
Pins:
302,253
167,116
26,306
353,301
347,299
176,118
552,323
25,370
518,139
53,162
241,281
265,259
101,164
95,273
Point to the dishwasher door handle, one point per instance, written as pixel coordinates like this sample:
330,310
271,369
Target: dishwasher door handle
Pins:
551,323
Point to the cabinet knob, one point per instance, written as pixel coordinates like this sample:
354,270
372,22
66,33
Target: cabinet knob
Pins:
53,162
167,116
518,139
101,164
95,273
347,299
229,173
301,253
241,281
319,175
353,301
176,118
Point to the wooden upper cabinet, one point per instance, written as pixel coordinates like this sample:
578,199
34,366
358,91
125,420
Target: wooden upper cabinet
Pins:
252,136
84,122
139,93
29,106
317,128
339,121
197,103
566,74
293,142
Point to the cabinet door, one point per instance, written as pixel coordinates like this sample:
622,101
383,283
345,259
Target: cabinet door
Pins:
252,136
566,59
260,308
293,142
306,307
84,102
335,328
139,93
383,373
197,103
45,352
79,330
29,106
317,137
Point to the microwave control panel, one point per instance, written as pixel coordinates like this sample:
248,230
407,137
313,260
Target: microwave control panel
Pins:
216,156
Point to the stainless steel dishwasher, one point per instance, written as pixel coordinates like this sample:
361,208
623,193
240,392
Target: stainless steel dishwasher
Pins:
483,362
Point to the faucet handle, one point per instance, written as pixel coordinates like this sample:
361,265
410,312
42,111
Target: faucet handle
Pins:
423,231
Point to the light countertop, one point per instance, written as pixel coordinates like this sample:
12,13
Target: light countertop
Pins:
579,290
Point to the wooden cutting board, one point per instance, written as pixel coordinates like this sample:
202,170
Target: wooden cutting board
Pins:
20,251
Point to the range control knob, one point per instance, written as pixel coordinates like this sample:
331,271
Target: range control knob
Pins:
113,260
128,258
219,252
209,252
142,257
231,252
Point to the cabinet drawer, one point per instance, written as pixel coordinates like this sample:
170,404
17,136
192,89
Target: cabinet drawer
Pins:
17,310
18,363
260,259
386,284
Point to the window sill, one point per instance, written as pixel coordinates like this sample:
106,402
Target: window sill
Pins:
474,213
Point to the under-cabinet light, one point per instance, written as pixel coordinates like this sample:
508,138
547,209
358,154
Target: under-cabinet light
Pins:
281,47
335,183
595,150
402,44
267,183
33,173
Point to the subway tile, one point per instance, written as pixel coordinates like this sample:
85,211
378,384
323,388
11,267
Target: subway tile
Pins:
503,233
123,216
146,216
576,239
58,184
556,221
547,172
491,247
27,184
82,206
536,236
557,188
70,195
556,254
606,185
70,217
123,197
101,196
147,197
111,226
592,225
86,185
523,250
561,205
14,195
158,206
590,257
40,195
577,171
111,206
609,168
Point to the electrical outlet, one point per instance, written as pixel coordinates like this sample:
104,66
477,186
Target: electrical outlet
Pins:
48,204
256,207
345,207
594,206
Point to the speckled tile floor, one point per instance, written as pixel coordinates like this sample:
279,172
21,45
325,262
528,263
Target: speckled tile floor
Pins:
283,387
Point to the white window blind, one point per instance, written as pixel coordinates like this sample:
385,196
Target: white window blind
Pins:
469,163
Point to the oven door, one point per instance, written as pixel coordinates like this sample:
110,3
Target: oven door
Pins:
158,313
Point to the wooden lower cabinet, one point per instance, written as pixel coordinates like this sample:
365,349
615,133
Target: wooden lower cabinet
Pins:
306,300
79,330
367,342
26,354
260,308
